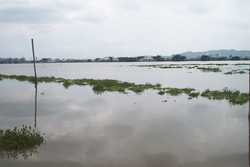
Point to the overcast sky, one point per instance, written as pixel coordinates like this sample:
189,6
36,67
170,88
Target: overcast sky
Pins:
99,28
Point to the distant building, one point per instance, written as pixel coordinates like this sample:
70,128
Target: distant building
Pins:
148,58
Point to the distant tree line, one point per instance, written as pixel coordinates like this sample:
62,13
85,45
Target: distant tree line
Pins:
12,60
208,58
176,57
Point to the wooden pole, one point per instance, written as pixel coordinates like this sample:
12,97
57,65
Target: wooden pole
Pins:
34,61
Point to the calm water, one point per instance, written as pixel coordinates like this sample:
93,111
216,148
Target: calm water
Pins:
126,130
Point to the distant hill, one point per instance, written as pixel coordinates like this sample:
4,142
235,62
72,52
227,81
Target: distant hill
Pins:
222,52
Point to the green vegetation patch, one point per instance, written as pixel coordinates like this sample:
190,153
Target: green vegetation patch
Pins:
238,71
100,86
174,91
22,138
209,69
234,97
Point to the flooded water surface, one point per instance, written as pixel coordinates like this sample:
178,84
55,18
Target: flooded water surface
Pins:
126,130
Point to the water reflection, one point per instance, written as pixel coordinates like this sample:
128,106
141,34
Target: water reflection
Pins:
35,105
22,132
98,92
126,130
15,154
163,159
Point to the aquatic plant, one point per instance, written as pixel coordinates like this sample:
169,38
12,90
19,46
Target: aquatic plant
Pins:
161,92
100,86
193,95
22,138
138,88
188,90
211,67
228,73
66,83
245,64
46,79
158,85
174,91
233,96
238,71
208,69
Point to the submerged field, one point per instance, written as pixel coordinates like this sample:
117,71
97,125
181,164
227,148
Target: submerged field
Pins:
123,115
234,97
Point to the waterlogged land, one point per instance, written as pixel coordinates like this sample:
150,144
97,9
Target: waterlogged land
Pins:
99,86
130,123
244,67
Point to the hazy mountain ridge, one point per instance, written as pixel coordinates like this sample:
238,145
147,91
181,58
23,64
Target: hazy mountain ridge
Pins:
222,52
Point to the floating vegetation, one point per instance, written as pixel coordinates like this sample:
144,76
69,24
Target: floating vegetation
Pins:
164,66
211,67
228,73
66,83
236,72
24,141
174,91
242,64
193,95
46,79
234,97
161,92
100,86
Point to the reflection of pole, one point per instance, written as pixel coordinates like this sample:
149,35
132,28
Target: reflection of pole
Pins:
34,61
35,106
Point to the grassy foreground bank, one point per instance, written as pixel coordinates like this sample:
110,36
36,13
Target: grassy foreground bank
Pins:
234,97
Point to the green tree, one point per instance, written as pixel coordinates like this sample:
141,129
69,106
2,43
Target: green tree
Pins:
205,58
97,59
158,58
235,58
178,58
127,59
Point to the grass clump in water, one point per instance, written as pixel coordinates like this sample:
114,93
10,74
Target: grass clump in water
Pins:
66,83
188,90
234,97
209,69
46,79
235,72
161,92
193,95
174,91
21,138
100,86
